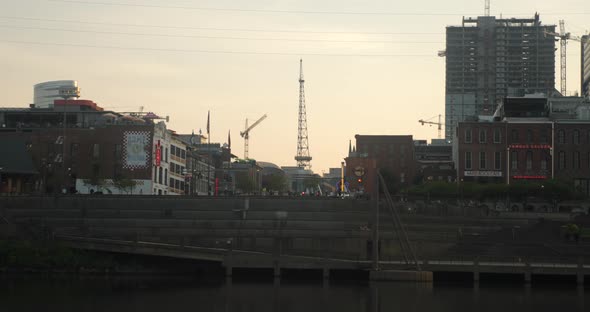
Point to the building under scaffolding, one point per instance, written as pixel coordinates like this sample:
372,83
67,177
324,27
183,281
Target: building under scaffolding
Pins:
488,59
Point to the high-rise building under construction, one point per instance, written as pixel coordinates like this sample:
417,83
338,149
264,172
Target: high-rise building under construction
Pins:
488,59
585,66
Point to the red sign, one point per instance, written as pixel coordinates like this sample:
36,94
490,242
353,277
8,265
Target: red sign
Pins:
529,177
530,146
158,153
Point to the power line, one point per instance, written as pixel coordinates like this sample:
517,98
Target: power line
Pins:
249,10
218,29
208,51
216,37
293,11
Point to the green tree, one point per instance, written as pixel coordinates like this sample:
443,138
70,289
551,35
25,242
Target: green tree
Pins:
274,182
124,184
244,182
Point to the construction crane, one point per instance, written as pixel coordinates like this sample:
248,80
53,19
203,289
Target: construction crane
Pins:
246,133
564,37
439,124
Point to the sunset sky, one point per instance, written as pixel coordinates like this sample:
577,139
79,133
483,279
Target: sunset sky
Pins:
371,67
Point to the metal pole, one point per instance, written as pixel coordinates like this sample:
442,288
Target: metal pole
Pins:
208,164
376,225
64,147
508,165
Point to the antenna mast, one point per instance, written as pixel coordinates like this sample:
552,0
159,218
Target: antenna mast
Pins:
303,159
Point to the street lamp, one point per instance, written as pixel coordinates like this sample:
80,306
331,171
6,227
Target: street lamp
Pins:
1,169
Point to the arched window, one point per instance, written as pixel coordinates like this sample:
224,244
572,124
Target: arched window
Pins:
576,137
561,137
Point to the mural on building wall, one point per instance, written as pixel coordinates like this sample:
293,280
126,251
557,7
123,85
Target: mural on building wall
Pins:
135,149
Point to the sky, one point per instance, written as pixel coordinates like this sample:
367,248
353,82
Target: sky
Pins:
370,67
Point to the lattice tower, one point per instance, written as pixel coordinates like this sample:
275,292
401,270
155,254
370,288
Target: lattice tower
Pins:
303,159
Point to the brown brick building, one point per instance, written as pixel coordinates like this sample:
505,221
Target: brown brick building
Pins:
393,155
536,139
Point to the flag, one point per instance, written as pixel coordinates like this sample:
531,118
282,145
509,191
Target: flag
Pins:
208,125
229,139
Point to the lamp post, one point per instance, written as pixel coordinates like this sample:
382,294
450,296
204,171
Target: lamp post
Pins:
66,93
1,169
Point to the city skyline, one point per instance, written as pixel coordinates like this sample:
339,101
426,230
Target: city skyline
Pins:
357,81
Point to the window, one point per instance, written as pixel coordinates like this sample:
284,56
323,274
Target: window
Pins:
529,136
165,175
543,162
561,160
74,149
544,136
514,135
497,136
482,160
514,160
468,160
95,150
561,137
529,160
402,177
171,182
166,155
160,175
576,160
498,160
183,154
482,135
576,137
118,153
467,135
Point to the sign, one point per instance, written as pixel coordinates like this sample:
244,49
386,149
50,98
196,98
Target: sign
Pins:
529,177
158,154
359,171
529,146
135,149
495,174
69,92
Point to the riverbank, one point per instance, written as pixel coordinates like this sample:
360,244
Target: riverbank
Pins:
50,257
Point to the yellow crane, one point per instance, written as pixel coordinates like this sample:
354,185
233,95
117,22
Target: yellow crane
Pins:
246,133
439,124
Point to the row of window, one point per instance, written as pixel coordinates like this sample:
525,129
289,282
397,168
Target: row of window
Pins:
175,168
562,160
178,152
530,138
483,136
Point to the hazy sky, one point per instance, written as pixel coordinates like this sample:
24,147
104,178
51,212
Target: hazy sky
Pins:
365,73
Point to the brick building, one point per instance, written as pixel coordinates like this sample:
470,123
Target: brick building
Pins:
529,139
393,155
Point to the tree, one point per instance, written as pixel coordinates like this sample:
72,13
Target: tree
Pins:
274,182
124,184
244,182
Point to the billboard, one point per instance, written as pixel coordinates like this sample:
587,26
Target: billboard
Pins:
135,149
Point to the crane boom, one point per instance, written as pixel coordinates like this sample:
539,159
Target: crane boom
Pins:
564,37
439,124
246,133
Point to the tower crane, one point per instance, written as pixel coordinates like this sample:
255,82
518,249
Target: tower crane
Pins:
246,133
439,124
564,37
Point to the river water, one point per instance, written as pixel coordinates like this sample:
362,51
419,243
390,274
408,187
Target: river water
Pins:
179,294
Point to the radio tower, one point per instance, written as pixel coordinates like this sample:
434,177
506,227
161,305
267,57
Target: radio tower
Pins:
303,159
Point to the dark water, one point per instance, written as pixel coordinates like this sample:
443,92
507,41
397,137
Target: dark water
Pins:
176,294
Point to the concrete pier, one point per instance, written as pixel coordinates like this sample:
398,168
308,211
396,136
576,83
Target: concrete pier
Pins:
401,276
